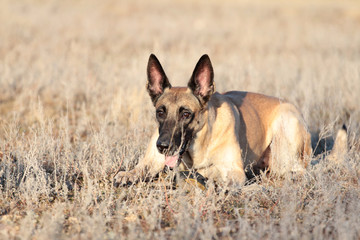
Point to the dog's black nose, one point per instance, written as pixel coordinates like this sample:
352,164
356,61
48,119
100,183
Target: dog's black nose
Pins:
162,145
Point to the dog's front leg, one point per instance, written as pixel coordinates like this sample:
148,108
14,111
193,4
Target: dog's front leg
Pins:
152,163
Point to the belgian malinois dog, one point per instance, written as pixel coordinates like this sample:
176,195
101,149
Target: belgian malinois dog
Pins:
223,137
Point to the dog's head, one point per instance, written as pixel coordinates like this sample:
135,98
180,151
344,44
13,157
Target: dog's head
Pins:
179,110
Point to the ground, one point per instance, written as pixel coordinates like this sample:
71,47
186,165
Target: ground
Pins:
74,109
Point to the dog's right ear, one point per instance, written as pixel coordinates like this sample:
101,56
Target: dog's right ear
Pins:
157,80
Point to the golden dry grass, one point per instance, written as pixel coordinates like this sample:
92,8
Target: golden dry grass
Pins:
73,108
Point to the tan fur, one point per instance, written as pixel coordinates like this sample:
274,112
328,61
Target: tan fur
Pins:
340,148
237,131
239,127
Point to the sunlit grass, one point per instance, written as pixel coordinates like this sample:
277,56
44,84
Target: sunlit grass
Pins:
74,109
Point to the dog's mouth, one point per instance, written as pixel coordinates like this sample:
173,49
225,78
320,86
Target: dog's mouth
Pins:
173,160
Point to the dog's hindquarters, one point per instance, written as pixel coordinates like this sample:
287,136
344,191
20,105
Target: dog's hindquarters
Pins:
290,147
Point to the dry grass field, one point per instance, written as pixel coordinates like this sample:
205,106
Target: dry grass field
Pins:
73,109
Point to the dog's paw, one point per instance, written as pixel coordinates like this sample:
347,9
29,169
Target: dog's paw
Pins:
123,178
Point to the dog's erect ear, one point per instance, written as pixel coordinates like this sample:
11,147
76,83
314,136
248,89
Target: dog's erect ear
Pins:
157,80
202,80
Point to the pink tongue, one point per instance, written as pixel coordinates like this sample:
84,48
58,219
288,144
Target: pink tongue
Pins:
171,161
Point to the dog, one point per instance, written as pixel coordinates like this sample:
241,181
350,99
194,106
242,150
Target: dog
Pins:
224,137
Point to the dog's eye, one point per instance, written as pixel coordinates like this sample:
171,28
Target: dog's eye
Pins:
160,114
185,115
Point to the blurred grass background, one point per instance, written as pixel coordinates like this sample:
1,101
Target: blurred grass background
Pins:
73,107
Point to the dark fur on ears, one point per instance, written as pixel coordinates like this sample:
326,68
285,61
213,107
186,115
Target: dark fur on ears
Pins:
157,80
202,80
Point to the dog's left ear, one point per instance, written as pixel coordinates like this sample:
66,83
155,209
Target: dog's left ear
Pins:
202,80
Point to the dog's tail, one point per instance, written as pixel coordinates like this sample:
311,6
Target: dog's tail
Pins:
328,147
340,147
